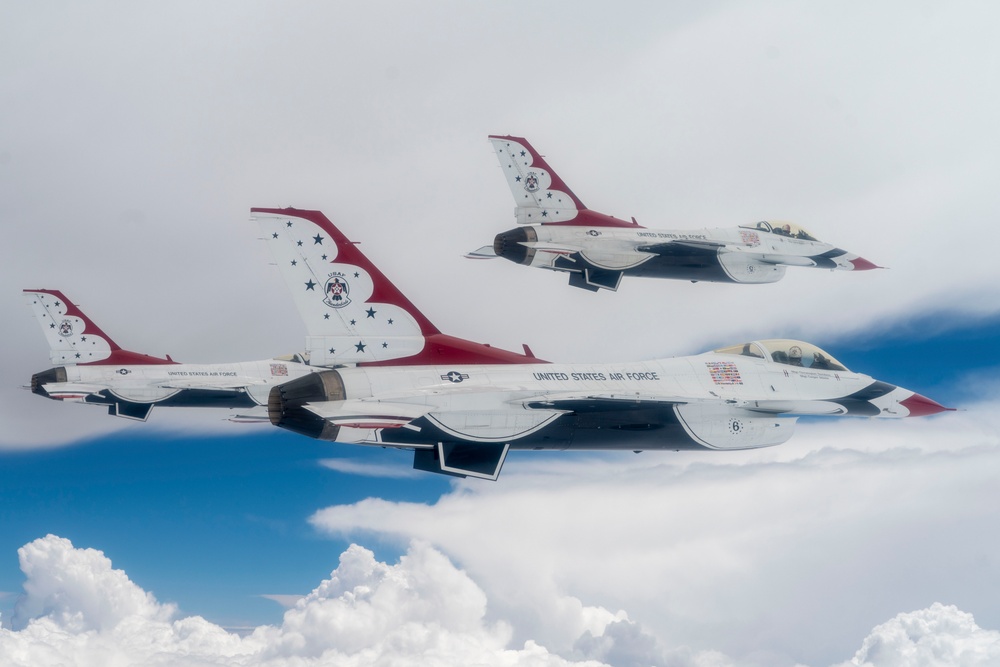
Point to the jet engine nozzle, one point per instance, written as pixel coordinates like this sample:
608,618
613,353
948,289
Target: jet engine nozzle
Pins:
286,404
510,245
51,376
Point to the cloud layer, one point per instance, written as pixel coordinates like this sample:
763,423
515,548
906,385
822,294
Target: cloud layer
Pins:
792,552
77,609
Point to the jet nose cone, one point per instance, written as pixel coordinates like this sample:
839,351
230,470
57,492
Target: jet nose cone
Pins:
862,264
919,406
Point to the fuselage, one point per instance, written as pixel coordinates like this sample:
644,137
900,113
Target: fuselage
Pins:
751,254
130,390
738,398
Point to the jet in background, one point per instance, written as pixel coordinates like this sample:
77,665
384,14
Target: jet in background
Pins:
557,232
394,380
92,369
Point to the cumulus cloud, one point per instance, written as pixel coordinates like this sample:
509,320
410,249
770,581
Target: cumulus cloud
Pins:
796,550
76,609
938,635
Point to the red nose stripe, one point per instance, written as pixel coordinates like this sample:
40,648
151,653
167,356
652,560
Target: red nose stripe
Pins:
921,405
862,264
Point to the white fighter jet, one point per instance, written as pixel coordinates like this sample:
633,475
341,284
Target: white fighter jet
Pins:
94,370
557,232
394,380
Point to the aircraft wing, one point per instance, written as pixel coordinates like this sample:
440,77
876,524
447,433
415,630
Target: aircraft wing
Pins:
785,260
680,246
360,413
220,383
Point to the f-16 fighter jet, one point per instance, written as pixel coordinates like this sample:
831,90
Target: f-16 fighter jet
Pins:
93,369
557,232
397,381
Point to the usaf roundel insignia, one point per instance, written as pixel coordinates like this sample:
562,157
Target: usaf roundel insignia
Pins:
336,291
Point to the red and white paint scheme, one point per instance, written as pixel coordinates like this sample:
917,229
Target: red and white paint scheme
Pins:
557,232
396,381
93,369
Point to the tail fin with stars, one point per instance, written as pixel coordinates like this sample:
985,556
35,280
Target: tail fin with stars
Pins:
73,338
540,196
352,312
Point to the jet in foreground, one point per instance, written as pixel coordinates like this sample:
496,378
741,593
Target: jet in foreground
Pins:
396,381
94,370
557,232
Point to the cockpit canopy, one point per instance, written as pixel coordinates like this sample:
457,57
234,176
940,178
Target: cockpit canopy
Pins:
789,229
789,352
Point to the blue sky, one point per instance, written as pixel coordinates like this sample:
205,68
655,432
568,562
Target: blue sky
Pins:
135,139
241,501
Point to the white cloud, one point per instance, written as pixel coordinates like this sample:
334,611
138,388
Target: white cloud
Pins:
796,550
77,610
938,635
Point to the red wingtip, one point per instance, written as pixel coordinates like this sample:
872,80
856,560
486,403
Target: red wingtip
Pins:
862,264
920,406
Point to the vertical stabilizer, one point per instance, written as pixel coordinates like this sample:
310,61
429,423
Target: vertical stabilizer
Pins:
73,338
352,312
540,196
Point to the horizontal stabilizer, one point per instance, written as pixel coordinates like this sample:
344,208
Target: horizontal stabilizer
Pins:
483,461
486,252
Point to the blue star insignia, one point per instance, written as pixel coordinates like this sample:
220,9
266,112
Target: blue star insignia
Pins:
371,312
360,346
274,235
317,240
311,285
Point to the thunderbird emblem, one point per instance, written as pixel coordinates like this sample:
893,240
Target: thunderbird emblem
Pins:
335,293
65,328
531,182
